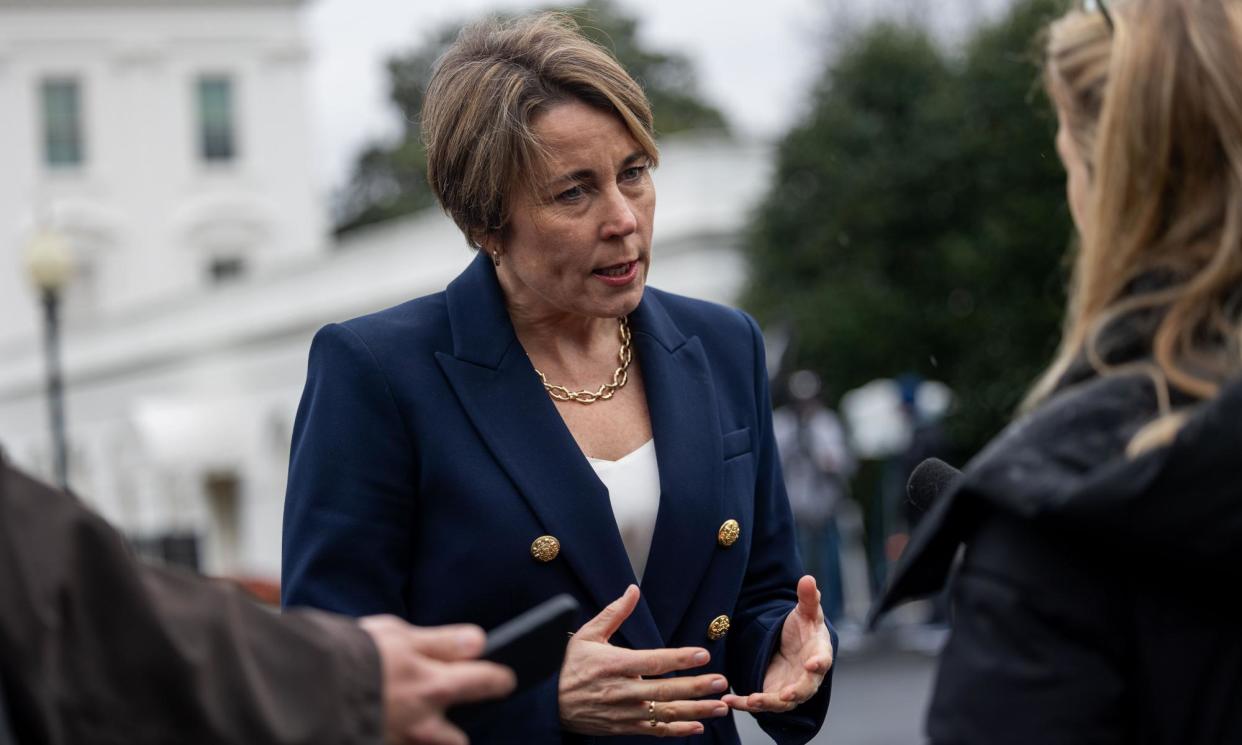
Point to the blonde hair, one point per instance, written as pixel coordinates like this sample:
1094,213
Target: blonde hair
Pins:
1076,72
1165,199
484,96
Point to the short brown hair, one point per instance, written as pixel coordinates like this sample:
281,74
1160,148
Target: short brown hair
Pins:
486,91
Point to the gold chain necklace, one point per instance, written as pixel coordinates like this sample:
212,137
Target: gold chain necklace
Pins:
606,391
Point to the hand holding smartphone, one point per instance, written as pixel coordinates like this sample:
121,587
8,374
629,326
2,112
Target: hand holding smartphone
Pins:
531,644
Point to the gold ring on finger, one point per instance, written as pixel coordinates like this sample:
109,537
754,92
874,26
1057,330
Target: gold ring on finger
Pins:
651,713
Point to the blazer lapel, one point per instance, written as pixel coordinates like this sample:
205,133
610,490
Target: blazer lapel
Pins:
497,386
682,400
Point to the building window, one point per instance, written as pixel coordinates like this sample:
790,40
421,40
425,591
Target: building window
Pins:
227,269
62,122
217,134
224,505
178,548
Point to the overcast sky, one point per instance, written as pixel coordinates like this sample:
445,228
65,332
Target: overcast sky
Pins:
755,59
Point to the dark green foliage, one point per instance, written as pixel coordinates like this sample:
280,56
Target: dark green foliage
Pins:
390,179
917,219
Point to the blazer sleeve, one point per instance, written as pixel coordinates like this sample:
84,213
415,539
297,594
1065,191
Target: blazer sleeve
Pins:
769,590
349,501
98,647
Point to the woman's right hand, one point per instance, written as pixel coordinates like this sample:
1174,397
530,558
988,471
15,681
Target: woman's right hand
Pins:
602,691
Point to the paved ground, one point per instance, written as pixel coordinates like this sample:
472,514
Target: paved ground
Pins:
878,698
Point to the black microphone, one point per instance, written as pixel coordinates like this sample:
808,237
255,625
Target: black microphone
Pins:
927,481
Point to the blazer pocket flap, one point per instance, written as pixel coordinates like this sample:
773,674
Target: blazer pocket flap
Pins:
737,443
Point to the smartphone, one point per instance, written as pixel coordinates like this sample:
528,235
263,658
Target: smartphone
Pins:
531,644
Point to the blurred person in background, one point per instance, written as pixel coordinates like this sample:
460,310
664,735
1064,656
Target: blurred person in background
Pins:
549,425
929,438
1095,601
926,438
96,647
817,465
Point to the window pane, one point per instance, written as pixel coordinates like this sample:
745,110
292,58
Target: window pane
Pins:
215,116
226,269
62,124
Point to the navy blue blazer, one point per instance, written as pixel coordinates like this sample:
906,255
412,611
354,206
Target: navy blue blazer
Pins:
427,457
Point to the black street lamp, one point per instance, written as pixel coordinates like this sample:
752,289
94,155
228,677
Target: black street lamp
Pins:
49,263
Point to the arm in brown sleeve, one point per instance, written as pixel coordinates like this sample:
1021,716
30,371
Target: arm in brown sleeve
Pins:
97,647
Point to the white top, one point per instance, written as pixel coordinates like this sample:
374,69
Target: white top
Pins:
634,490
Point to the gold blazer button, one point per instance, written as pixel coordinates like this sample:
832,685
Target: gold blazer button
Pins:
728,533
545,548
718,628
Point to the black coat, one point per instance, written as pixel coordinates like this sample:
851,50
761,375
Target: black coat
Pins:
1096,598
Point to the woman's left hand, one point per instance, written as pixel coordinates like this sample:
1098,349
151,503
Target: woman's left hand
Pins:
803,660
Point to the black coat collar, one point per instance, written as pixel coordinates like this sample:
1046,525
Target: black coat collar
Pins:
1064,466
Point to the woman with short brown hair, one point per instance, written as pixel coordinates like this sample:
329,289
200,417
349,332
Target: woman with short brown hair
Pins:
548,424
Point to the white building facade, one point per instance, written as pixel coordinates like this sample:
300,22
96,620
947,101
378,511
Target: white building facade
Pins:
169,142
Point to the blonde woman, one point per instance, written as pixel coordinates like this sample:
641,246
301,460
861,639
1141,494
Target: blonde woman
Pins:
1095,602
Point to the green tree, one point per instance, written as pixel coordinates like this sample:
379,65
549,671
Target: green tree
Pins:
917,219
390,178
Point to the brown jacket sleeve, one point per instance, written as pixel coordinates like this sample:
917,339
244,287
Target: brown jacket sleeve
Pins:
96,647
